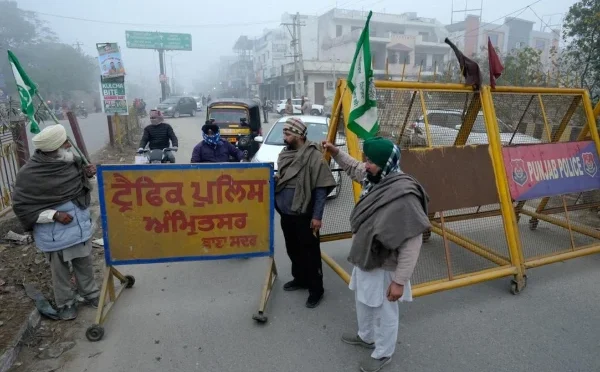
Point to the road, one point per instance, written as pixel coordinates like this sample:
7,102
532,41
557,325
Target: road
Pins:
94,130
197,317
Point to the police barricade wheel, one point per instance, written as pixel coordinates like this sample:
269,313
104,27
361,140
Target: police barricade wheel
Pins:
94,333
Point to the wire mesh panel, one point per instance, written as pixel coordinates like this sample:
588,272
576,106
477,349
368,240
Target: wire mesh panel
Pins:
553,222
467,235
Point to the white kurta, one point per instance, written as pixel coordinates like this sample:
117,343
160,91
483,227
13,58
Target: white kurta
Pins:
377,317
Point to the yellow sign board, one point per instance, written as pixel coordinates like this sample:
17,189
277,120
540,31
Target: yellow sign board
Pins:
226,131
175,212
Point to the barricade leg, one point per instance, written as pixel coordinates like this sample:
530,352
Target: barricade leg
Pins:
335,267
95,332
260,317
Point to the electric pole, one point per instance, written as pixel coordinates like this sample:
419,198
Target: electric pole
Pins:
78,45
161,61
300,58
298,62
295,45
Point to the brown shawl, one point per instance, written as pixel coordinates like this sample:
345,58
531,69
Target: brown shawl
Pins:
306,170
44,183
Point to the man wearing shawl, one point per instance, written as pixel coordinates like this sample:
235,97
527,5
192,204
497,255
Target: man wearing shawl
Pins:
52,198
387,226
303,182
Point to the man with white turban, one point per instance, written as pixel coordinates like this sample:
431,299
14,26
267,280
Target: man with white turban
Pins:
52,198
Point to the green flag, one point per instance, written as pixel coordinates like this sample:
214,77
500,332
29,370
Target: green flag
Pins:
363,111
27,90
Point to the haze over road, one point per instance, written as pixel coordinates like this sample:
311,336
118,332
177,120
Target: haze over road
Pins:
197,316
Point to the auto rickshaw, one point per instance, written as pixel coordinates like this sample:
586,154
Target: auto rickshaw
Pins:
239,122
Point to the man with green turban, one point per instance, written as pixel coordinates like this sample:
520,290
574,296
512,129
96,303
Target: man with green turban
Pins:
387,226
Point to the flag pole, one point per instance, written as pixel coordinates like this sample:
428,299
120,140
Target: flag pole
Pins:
73,145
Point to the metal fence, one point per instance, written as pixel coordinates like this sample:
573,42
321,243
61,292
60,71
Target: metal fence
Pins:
9,166
452,139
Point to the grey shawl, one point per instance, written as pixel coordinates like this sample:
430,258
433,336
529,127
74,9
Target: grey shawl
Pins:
394,211
306,170
44,183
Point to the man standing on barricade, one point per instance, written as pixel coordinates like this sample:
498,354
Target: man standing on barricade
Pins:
387,226
303,182
52,198
214,149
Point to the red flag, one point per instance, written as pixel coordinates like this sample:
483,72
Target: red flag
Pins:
496,67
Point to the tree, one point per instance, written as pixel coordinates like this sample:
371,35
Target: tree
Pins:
19,27
581,32
56,68
522,67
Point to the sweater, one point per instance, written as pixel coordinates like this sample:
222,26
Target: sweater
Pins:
159,136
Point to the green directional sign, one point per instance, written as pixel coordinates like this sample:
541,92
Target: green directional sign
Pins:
158,40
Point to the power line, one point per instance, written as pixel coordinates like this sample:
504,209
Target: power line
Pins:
545,24
521,10
153,24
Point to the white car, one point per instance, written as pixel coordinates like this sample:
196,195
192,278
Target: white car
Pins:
317,128
445,124
316,110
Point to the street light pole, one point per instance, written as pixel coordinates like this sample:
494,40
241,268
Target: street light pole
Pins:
172,73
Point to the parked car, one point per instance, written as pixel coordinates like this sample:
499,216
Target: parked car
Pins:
316,110
281,107
445,124
317,128
177,106
198,103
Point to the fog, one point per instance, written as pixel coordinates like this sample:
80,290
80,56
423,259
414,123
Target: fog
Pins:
216,25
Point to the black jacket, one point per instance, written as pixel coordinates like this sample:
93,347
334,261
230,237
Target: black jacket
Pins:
158,136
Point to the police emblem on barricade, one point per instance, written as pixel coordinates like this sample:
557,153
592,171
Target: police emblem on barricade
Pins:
589,164
519,174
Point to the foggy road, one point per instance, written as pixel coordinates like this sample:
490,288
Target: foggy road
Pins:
94,130
197,316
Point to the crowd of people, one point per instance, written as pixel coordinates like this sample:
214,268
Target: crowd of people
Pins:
52,199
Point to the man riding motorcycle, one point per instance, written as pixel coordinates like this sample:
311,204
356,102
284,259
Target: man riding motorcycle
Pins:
158,135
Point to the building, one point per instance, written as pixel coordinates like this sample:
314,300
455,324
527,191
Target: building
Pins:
471,37
273,50
241,78
409,44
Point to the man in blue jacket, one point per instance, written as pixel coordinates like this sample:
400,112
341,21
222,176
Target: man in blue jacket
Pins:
52,198
213,149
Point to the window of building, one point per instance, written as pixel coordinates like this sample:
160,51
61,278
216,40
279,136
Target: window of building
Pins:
540,44
438,60
425,35
421,58
403,57
353,28
494,39
338,30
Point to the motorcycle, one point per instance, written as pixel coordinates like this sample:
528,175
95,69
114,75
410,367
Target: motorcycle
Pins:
155,156
81,111
59,113
270,106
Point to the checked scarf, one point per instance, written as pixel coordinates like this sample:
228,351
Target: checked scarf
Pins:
392,166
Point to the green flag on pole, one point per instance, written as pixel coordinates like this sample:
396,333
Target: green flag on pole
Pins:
363,111
27,90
